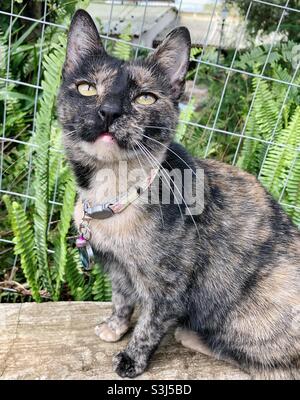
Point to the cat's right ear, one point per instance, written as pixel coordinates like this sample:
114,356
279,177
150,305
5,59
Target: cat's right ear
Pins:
83,40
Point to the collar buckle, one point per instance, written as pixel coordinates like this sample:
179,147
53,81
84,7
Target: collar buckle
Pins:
101,211
106,210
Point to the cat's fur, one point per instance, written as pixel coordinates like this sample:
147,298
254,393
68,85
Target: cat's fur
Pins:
235,282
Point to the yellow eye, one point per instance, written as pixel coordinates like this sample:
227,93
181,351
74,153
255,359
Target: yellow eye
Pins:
86,89
146,99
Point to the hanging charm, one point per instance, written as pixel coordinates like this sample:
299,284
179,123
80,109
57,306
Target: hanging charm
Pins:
82,243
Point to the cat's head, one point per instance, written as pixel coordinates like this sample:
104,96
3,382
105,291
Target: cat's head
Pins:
107,106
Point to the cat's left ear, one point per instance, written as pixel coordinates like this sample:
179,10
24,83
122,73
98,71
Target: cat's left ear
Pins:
83,40
173,57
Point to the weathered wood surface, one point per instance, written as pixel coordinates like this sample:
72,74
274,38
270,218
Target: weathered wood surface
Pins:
57,341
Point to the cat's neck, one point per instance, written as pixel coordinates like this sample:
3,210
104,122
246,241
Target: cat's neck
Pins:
110,180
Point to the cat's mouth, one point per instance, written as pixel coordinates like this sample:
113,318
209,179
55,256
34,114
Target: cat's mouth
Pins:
106,137
107,140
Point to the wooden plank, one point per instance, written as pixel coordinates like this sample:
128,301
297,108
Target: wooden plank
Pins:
57,341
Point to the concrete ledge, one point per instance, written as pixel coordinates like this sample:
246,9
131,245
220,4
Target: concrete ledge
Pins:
57,341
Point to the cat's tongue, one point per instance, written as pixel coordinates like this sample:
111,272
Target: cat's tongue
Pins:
106,137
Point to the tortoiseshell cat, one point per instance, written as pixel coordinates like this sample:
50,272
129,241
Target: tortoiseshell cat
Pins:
229,278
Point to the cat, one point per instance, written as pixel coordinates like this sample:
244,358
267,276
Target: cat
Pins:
226,277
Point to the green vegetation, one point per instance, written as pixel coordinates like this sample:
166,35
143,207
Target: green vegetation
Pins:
42,233
42,262
260,111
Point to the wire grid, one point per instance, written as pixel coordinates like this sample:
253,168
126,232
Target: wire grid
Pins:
213,129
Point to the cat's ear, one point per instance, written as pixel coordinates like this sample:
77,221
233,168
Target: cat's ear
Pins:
83,40
173,57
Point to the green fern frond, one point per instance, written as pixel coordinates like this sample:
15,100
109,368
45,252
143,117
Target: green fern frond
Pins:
195,52
185,115
74,276
52,66
281,73
60,245
261,123
55,159
289,50
251,58
279,158
293,193
101,289
257,57
24,244
123,50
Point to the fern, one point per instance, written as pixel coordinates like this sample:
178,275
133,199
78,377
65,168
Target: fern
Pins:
293,193
289,51
195,52
55,159
60,255
261,124
279,159
74,276
101,289
185,115
52,70
24,244
257,57
33,235
123,50
269,121
249,58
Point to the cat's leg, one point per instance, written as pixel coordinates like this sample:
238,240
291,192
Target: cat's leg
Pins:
115,326
151,327
191,340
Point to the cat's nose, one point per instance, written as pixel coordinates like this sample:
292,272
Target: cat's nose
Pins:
109,113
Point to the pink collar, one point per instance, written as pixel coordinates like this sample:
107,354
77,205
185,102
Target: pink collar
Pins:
107,210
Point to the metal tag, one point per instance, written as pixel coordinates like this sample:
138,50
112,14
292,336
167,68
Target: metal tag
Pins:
86,256
102,211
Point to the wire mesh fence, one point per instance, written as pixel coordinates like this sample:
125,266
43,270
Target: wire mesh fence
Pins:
150,14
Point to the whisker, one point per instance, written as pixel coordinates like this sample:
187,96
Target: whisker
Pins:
168,148
160,210
178,193
158,164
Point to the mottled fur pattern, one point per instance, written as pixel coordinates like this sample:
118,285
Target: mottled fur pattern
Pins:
231,276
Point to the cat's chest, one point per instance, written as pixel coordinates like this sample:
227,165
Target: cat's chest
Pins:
123,234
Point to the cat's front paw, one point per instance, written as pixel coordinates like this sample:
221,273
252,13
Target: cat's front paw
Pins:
126,367
111,332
